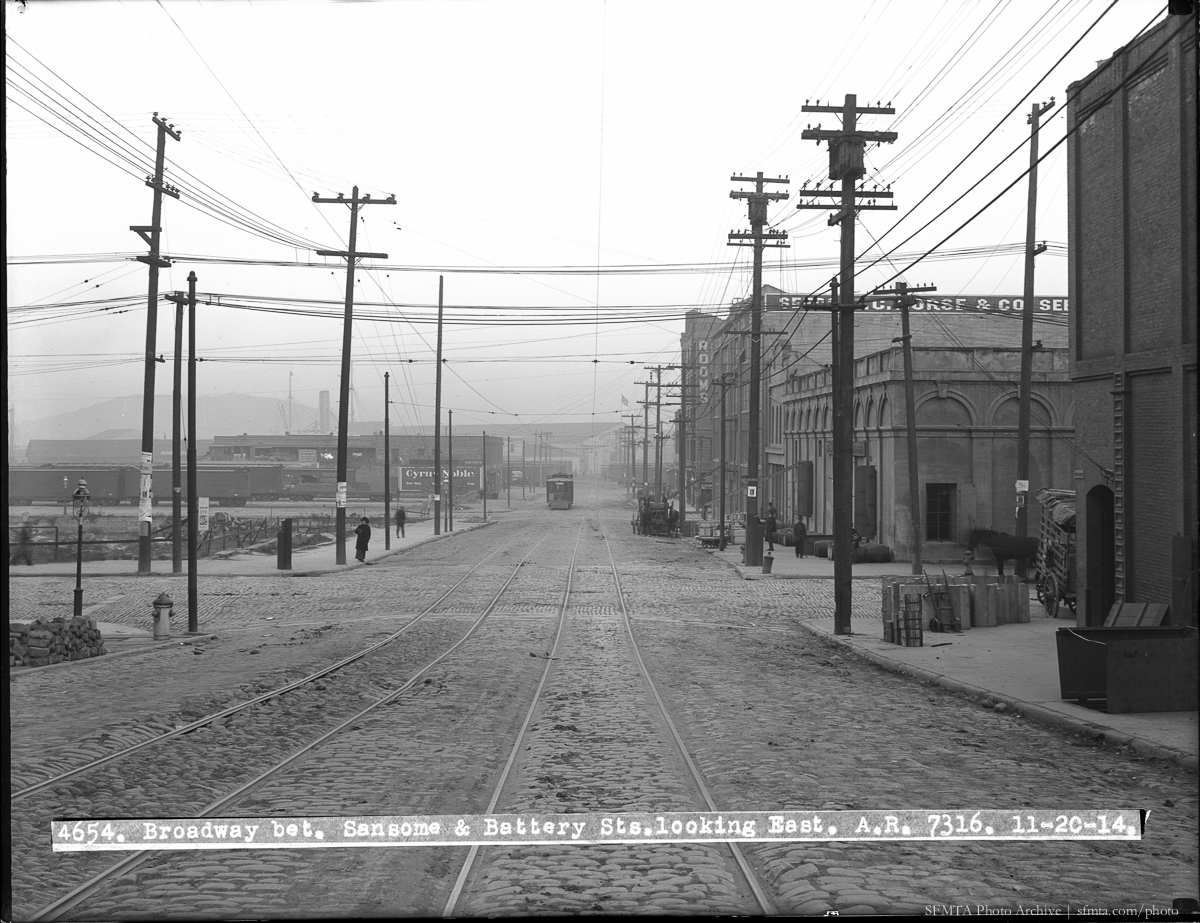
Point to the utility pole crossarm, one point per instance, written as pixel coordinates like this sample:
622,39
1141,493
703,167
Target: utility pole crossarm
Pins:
862,110
365,199
358,254
818,134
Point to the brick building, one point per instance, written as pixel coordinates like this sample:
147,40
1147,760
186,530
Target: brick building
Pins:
966,423
1132,277
967,373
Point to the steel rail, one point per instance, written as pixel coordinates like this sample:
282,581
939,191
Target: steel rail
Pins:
241,706
469,863
82,892
760,896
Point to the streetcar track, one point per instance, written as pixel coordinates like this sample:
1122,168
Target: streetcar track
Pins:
257,700
468,874
82,892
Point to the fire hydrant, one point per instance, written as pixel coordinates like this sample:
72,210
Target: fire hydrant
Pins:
164,608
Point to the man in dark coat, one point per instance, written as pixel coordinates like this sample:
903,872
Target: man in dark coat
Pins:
771,525
364,539
799,536
23,545
400,517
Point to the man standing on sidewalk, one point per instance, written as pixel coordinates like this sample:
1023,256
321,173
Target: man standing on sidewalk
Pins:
799,536
364,539
400,517
771,525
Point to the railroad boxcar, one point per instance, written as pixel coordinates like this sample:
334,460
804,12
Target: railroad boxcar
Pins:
560,491
107,485
222,485
266,482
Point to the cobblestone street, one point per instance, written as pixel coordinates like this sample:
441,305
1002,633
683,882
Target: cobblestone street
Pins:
774,717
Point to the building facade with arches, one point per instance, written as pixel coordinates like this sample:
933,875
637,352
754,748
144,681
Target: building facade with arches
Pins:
966,421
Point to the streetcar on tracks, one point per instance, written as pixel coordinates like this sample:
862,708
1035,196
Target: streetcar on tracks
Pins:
560,491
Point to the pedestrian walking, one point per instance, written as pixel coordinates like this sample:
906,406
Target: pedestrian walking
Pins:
24,545
400,517
799,536
672,518
364,539
771,525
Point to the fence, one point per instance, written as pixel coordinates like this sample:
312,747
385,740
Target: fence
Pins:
225,533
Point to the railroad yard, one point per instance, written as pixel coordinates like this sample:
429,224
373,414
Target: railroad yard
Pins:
548,663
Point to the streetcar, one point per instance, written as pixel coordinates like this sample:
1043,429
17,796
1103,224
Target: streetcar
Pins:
560,491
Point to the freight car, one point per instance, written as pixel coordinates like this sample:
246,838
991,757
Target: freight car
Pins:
560,491
224,486
107,485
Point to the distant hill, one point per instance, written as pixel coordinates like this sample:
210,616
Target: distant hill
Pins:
216,415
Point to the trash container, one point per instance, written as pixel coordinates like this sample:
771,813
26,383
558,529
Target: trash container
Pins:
1146,669
768,560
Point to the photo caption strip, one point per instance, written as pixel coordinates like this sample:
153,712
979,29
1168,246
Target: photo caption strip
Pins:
87,835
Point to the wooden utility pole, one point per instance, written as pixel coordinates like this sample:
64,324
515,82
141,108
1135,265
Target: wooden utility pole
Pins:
681,435
758,239
646,439
483,473
176,474
352,256
845,164
437,425
629,457
904,301
508,494
387,467
450,472
1026,391
193,489
150,234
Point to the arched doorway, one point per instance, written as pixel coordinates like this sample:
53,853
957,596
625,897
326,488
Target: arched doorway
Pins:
1101,553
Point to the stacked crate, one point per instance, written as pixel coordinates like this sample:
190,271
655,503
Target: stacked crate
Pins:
977,601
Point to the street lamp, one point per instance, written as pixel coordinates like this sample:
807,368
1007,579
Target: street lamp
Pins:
80,502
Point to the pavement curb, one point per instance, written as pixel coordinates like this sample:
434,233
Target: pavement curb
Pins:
18,672
1029,710
353,565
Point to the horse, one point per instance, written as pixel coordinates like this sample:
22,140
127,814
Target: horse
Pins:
1005,547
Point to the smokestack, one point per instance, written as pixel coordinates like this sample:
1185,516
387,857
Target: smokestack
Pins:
324,410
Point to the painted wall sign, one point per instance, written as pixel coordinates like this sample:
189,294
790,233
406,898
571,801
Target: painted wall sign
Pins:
952,304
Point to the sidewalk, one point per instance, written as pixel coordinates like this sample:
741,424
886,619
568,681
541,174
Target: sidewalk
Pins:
1016,664
317,559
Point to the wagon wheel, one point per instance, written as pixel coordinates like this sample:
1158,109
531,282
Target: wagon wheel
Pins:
1050,602
1040,585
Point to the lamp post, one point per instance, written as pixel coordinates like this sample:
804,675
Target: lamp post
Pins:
80,502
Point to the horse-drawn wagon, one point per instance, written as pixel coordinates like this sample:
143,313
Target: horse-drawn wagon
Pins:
655,517
1056,550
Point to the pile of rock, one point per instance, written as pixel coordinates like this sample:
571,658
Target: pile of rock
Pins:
39,643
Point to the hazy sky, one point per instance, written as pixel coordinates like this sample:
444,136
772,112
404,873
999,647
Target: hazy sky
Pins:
515,136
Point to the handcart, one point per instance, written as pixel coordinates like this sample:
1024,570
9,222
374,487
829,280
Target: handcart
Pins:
944,618
1056,550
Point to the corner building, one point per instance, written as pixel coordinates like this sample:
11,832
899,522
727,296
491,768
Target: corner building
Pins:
1132,282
